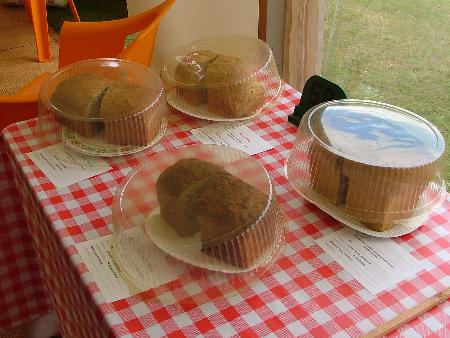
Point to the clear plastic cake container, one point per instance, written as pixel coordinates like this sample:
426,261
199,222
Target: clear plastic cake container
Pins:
103,107
204,213
222,78
368,163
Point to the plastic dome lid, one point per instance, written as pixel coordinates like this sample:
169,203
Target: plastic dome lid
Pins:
166,198
103,107
221,78
375,133
67,92
368,161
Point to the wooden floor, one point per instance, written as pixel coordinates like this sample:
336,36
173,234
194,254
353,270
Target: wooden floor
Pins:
18,55
19,65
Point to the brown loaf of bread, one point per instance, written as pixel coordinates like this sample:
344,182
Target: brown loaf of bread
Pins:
119,107
232,89
77,98
195,195
173,182
190,71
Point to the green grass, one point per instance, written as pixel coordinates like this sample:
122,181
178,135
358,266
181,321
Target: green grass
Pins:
88,10
396,52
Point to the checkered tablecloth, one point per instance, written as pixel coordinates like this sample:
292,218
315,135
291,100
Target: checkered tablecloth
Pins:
305,293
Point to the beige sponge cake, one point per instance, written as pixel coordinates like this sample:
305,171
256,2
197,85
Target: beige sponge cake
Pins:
173,182
77,99
372,167
225,208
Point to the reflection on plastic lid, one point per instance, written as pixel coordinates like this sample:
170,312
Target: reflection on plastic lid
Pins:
375,133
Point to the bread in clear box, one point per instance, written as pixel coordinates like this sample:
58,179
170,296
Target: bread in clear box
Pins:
196,195
190,71
376,163
80,96
102,107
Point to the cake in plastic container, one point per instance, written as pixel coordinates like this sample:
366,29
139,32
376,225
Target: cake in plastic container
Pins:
210,208
103,107
373,163
222,78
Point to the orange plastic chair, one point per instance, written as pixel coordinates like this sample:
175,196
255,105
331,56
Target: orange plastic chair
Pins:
37,11
89,40
23,105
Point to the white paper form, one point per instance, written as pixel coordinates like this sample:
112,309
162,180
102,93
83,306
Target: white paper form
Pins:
64,167
132,266
96,254
239,137
377,263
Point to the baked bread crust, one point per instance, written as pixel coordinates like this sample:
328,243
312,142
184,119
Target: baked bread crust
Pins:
345,183
171,184
225,83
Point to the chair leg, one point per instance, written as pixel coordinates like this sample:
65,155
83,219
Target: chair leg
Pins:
39,17
74,10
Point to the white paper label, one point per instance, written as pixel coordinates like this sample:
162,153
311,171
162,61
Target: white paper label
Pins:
377,263
64,167
239,137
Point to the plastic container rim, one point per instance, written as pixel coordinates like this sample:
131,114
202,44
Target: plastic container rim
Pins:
173,81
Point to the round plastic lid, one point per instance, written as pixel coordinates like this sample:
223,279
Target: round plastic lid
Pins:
103,107
221,78
73,90
375,133
210,206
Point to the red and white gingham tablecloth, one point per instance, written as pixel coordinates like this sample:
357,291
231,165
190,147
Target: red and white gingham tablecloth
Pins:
306,293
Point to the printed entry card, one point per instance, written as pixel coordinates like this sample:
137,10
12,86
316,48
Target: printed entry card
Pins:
377,263
240,137
64,167
125,264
